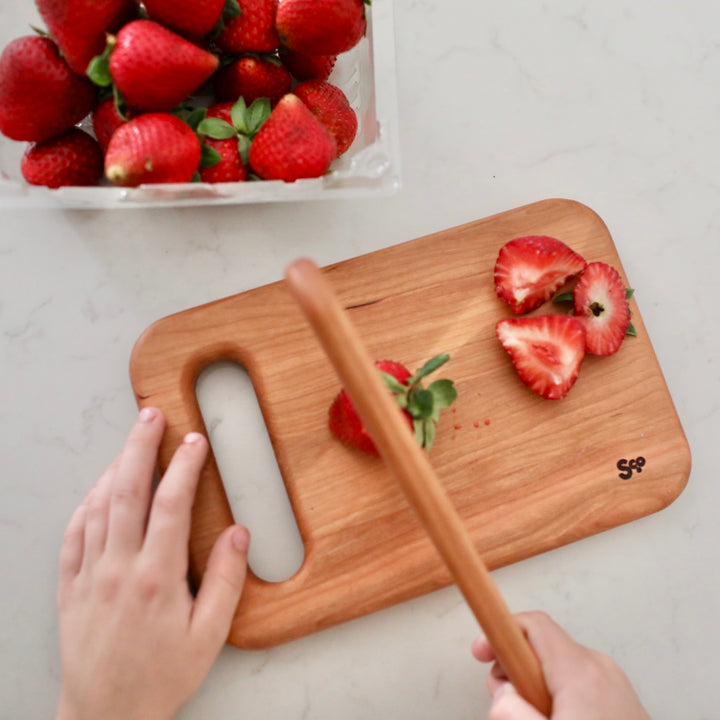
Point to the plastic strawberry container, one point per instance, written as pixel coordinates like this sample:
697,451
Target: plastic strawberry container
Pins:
371,167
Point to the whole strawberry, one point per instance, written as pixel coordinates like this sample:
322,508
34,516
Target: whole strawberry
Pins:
71,158
307,67
193,18
80,26
107,119
421,406
253,30
40,96
321,27
252,78
152,148
292,144
330,105
156,69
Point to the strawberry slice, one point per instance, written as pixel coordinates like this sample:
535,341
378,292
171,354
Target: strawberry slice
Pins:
547,351
530,269
601,304
421,406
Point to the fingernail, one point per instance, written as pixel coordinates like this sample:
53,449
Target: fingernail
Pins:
192,437
147,414
241,539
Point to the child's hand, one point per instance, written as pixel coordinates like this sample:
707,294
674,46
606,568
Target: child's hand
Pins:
583,683
134,642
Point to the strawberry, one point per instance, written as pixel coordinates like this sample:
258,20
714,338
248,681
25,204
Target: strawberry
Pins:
71,158
601,304
80,26
192,18
152,148
40,96
251,78
227,131
292,144
307,67
107,119
547,351
530,269
420,406
332,108
321,27
253,30
156,69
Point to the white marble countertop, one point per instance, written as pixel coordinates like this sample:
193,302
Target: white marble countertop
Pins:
614,104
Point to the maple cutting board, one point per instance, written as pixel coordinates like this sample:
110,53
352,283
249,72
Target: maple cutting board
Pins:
526,474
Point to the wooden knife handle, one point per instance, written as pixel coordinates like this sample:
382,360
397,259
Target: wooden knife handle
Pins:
407,461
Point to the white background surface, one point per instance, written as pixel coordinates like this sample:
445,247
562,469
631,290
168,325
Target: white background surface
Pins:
614,104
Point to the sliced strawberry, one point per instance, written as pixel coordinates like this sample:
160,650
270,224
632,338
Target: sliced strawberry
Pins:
421,407
530,269
601,305
547,351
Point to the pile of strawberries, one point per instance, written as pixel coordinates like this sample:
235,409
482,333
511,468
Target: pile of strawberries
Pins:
180,90
548,349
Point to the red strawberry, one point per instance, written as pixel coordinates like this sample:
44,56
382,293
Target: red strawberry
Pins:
307,67
332,108
152,148
292,144
106,120
40,96
530,269
321,27
231,166
547,351
194,18
154,68
80,26
251,78
601,305
253,30
72,158
421,406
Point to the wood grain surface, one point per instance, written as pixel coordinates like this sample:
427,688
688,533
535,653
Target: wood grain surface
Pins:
526,474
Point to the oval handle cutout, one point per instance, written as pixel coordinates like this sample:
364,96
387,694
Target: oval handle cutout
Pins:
257,494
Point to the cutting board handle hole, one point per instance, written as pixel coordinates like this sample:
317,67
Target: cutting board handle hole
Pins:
257,494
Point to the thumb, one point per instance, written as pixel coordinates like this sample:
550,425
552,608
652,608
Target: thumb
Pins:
221,586
508,705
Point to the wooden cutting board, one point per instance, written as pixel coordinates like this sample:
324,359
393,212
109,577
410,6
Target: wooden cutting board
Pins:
526,474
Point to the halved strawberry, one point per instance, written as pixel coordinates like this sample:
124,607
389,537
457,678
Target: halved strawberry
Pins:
530,269
547,351
421,406
601,305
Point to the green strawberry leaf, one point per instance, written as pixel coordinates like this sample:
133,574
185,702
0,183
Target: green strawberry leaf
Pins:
194,117
244,148
564,298
393,384
232,9
629,292
420,403
631,330
216,129
98,69
208,156
429,367
239,116
258,112
444,393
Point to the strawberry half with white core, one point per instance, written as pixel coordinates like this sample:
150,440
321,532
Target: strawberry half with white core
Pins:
529,270
420,405
602,306
547,351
